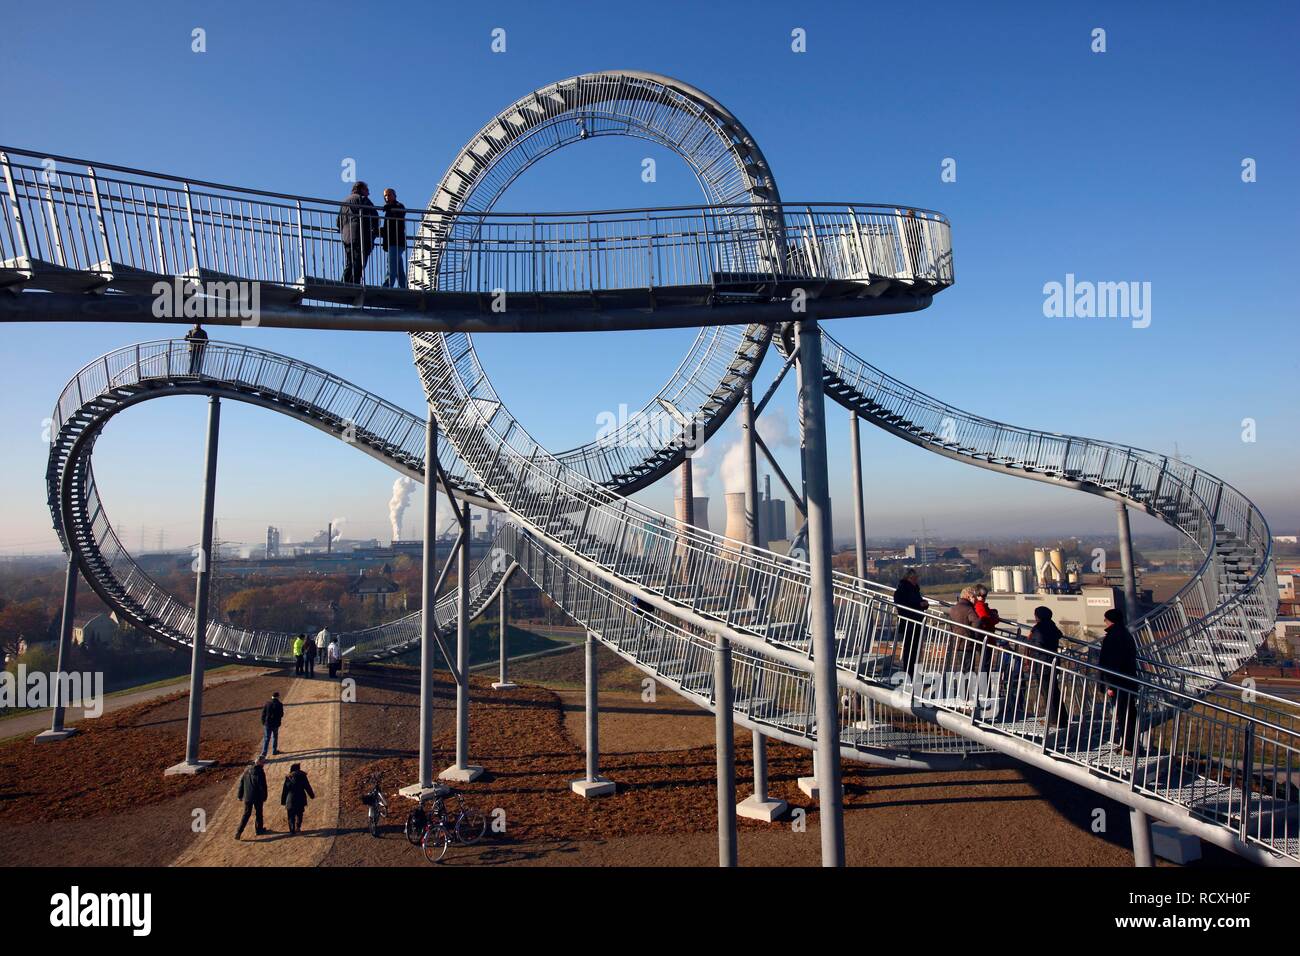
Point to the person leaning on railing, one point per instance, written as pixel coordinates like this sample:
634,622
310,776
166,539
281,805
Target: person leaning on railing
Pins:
393,236
198,342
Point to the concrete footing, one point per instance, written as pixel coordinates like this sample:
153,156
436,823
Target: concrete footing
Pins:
809,787
413,791
1171,843
53,736
188,767
752,808
600,787
456,774
504,685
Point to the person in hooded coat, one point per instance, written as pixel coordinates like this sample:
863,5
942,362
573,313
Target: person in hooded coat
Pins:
294,796
252,791
909,602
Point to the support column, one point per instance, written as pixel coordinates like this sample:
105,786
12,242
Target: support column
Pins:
593,784
503,606
725,730
461,771
1131,608
57,731
198,663
812,408
428,598
1140,824
757,806
859,505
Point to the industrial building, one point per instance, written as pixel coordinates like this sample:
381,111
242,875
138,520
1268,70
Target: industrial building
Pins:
1079,609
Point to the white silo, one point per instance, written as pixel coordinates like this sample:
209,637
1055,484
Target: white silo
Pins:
1058,566
1001,580
1040,567
1021,580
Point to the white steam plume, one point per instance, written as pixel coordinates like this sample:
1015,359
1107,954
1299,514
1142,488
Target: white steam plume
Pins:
397,504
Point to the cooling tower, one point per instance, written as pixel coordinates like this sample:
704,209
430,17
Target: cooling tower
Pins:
700,509
736,525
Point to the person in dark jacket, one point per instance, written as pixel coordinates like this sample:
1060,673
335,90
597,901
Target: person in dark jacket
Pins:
358,224
965,622
1046,638
909,601
394,239
198,340
1119,654
294,796
309,655
272,715
252,791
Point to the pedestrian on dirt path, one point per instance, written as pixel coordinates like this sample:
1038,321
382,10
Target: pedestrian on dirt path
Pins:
299,644
272,715
294,796
309,653
252,790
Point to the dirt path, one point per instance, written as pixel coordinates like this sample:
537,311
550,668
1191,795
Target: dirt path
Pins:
309,736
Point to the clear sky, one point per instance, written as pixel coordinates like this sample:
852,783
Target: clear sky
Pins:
1117,166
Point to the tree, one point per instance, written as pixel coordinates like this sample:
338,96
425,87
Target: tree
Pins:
25,622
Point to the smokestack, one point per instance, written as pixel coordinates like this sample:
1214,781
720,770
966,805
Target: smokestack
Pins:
329,538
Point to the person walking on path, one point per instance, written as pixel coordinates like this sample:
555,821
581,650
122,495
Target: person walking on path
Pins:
272,715
358,224
299,644
335,657
309,655
294,796
1119,654
909,602
198,340
394,239
252,791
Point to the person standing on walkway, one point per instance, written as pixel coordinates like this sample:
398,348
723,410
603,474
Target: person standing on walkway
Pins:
272,715
335,656
358,224
1119,654
252,791
309,655
198,341
909,602
299,644
294,796
394,239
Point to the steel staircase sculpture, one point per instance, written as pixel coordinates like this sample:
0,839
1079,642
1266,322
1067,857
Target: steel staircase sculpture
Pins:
1219,762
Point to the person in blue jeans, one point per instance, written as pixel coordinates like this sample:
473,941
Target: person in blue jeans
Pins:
393,235
272,715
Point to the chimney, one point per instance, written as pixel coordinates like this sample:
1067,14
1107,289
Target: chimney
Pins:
329,537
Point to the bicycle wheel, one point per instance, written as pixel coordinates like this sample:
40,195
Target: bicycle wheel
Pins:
435,842
470,826
374,820
414,828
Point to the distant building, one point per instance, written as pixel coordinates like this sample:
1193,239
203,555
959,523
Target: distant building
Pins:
1286,587
1080,614
1286,538
93,630
977,556
272,542
378,590
922,553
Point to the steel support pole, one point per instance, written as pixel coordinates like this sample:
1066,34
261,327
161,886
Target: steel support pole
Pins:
725,729
1140,824
202,588
859,505
57,731
429,595
592,710
462,642
461,771
1126,562
812,408
503,609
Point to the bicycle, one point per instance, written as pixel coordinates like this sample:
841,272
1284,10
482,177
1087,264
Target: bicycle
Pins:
434,827
376,805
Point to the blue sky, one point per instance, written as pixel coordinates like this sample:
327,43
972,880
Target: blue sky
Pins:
1120,166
